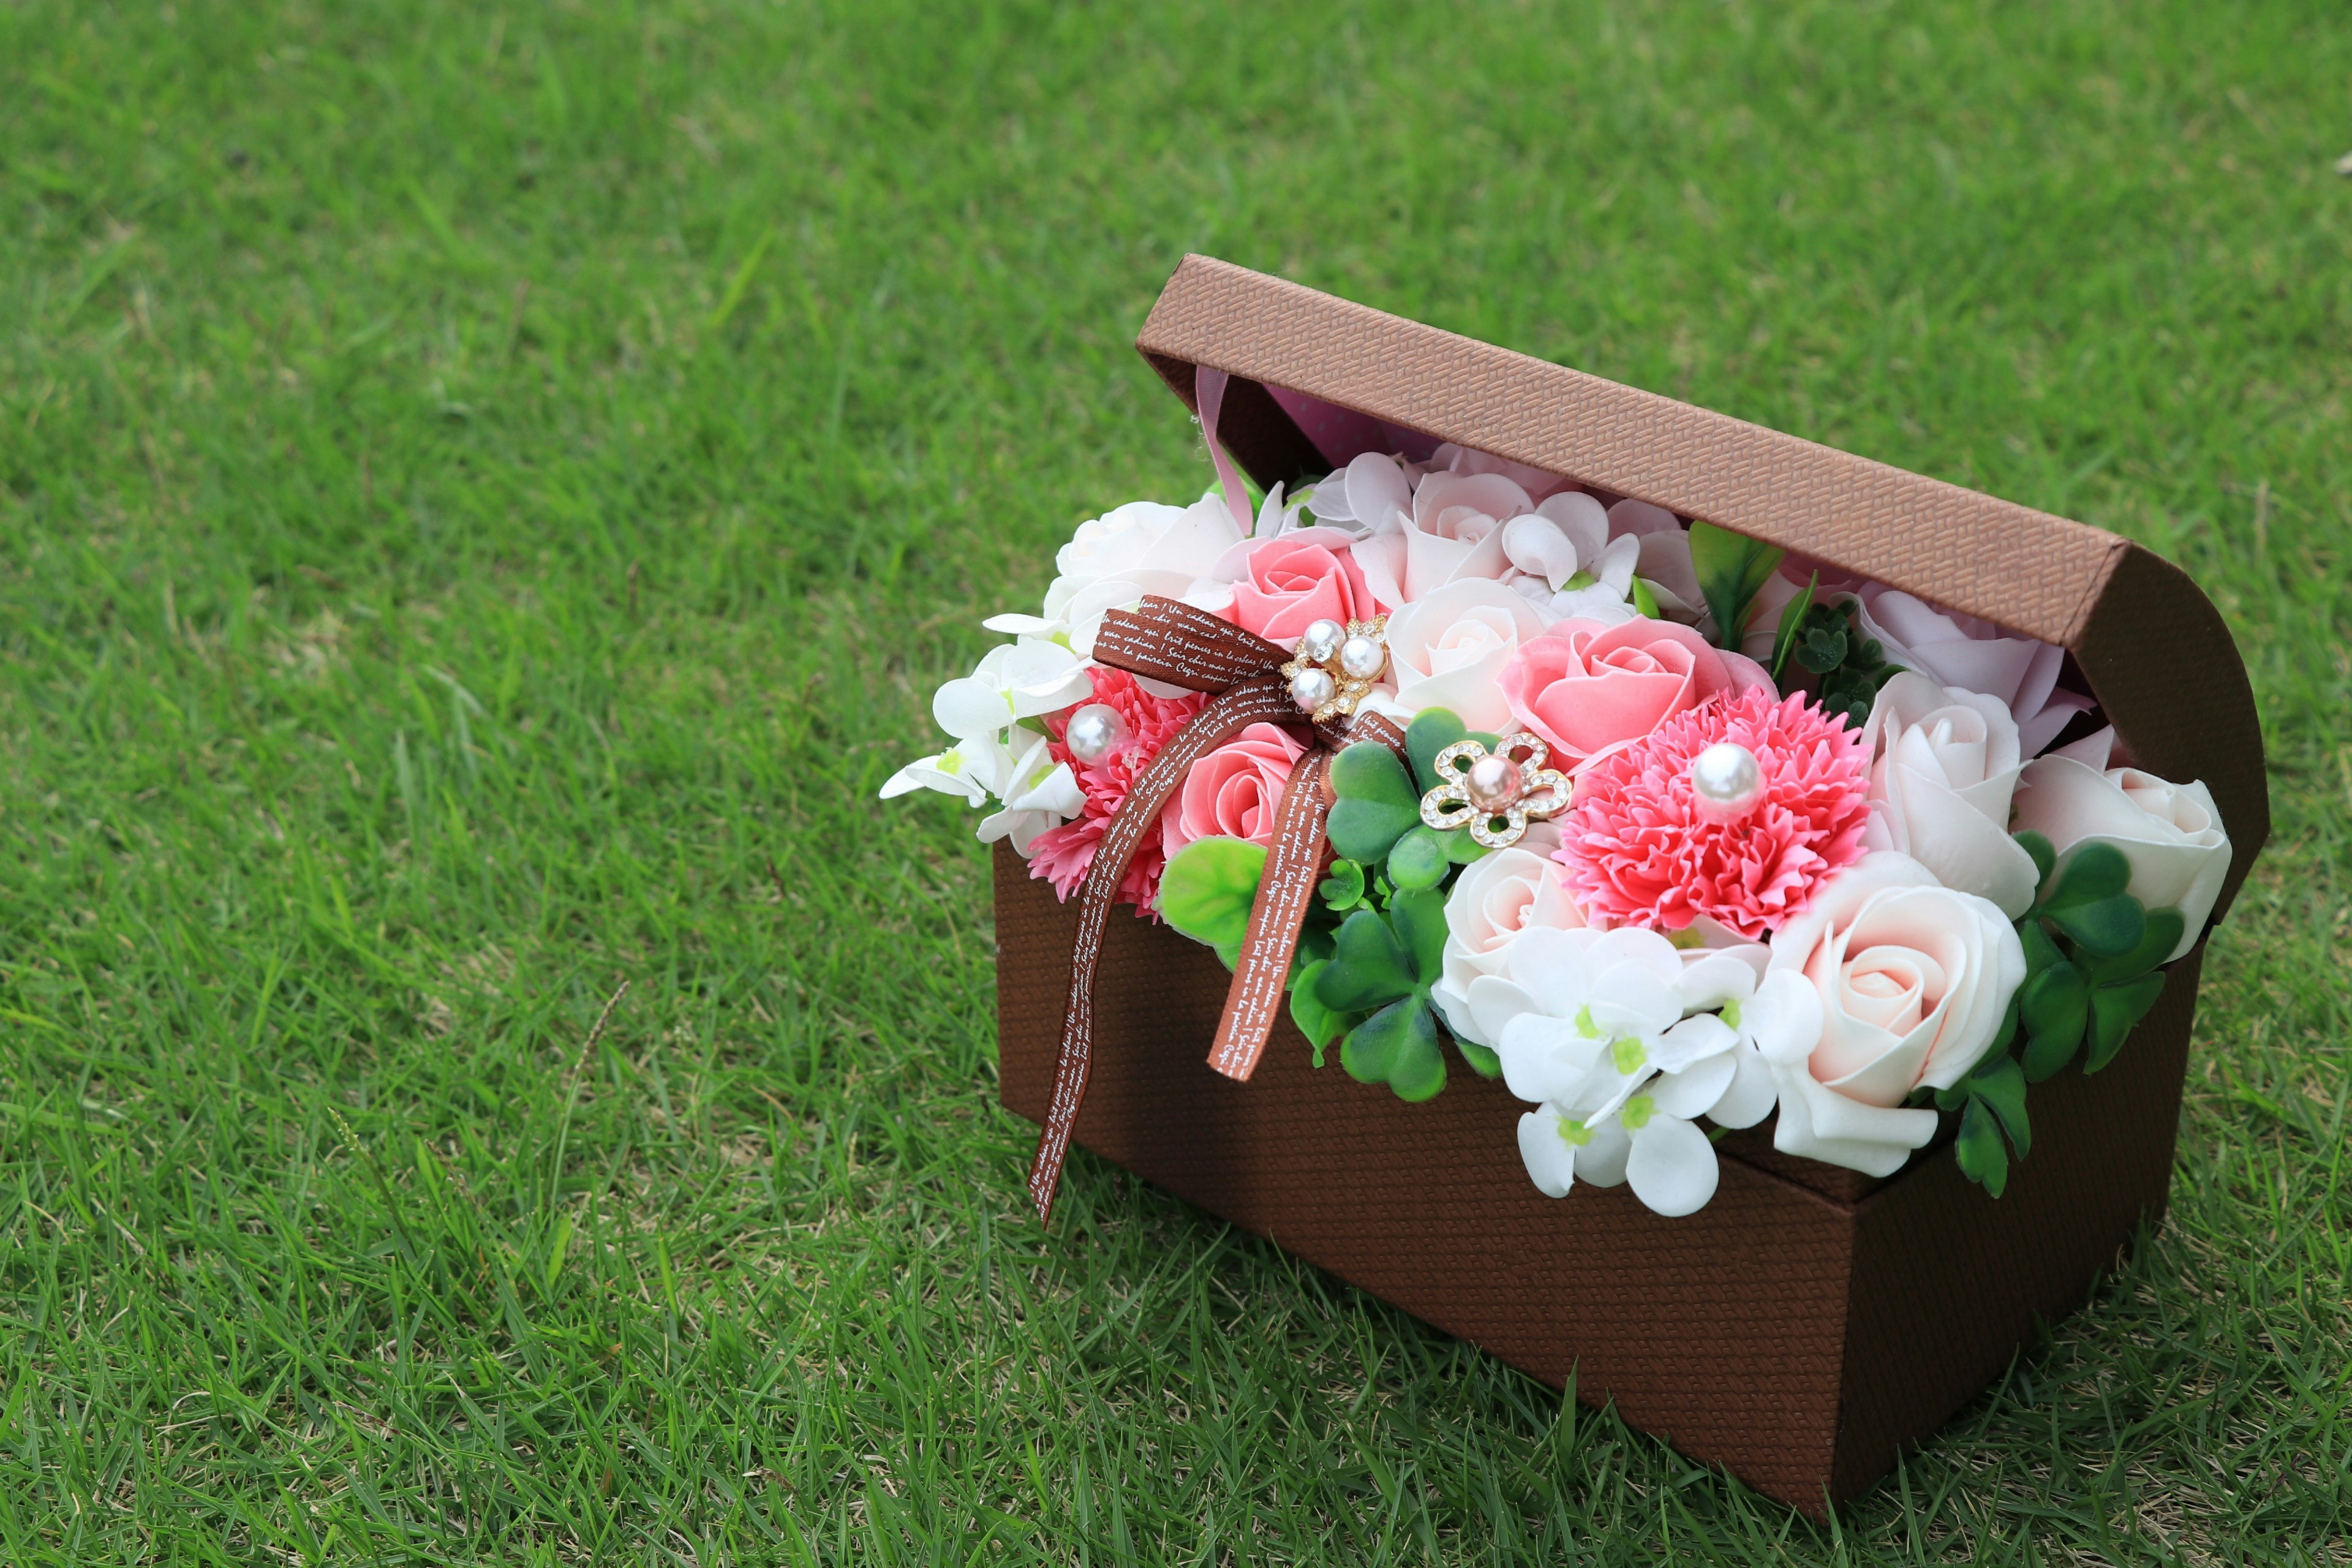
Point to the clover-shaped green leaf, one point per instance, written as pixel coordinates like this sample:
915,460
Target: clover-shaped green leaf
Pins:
2053,1008
2160,934
1343,887
2102,928
2114,1010
1398,1047
2095,871
1376,803
1319,1024
1431,730
1979,1148
1368,968
1419,859
1208,887
1386,964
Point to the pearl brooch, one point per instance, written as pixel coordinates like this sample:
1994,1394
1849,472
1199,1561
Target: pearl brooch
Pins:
1494,794
1335,667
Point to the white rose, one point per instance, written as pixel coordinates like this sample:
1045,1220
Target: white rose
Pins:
2171,833
1446,650
1913,979
1496,897
1975,655
1113,561
1946,761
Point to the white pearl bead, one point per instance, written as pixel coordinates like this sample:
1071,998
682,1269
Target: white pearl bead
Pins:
1095,732
1492,784
1726,783
1361,658
1310,689
1320,641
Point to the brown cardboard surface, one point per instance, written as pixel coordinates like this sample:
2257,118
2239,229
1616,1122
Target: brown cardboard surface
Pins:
1795,1339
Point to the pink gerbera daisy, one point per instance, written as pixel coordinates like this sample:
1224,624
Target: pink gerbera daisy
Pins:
1639,852
1062,854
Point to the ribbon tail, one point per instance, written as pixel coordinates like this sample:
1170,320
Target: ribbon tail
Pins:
1293,865
1260,700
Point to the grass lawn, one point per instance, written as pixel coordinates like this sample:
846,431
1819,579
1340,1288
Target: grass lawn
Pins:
486,495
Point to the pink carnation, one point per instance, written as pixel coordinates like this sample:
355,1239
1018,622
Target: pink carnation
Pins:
1062,854
1638,853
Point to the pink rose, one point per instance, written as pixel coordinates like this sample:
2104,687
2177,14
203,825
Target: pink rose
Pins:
1231,792
1291,582
1589,690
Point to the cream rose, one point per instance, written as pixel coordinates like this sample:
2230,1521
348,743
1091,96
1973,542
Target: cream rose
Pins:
1497,897
2171,833
1113,561
1913,979
1975,655
1446,650
1945,762
1453,533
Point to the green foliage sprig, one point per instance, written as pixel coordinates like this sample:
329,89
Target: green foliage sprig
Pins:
2093,953
1844,667
1385,888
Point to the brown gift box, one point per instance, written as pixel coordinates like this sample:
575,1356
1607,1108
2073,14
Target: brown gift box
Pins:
1811,1321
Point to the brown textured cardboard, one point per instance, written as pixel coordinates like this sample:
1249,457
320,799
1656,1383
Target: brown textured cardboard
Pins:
1810,1322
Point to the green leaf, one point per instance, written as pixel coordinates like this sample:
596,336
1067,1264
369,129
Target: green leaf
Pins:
1344,888
2053,1008
1398,1047
2114,1009
2104,928
2040,952
1461,848
1369,967
1792,618
1208,887
1420,921
1484,1062
2161,935
2001,1084
1823,649
1376,803
1982,1159
1730,568
1431,730
1319,1024
1418,860
2044,857
1645,602
2096,871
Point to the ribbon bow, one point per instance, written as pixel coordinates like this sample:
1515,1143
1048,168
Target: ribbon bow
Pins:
1183,646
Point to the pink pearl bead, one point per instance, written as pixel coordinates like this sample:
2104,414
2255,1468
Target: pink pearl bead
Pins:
1492,784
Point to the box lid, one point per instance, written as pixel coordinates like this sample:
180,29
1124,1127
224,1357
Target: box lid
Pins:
2151,646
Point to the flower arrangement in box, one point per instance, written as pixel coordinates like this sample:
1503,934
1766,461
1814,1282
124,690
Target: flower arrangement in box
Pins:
1668,830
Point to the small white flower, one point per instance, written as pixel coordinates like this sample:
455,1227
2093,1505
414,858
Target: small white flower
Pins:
1558,1149
1038,795
972,769
1016,680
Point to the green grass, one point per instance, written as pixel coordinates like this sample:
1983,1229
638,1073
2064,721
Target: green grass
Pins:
484,500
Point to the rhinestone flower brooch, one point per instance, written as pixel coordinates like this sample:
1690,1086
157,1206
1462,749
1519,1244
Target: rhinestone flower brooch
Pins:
1495,794
1334,667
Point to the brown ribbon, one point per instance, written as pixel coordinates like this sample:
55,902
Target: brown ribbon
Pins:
1182,645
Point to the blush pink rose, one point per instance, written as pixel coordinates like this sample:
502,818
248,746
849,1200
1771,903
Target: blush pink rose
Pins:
1591,690
1232,791
1291,582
